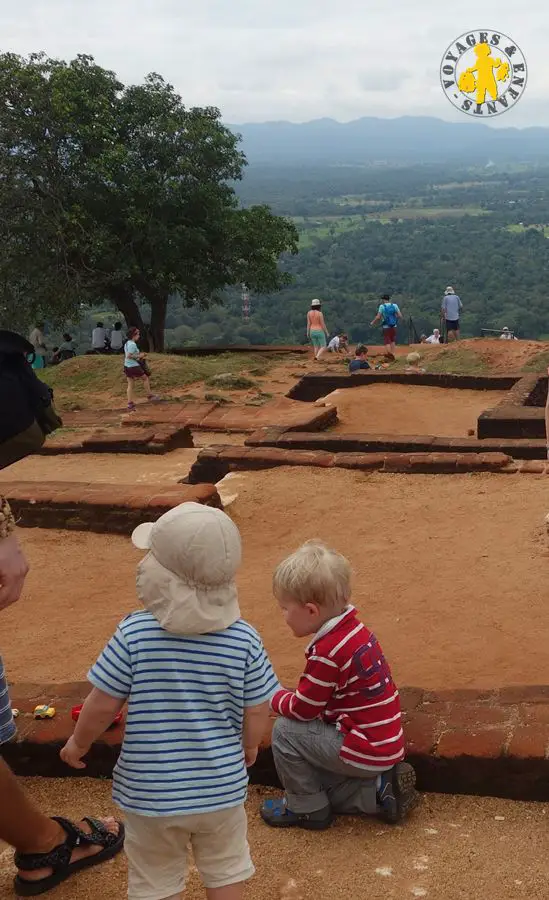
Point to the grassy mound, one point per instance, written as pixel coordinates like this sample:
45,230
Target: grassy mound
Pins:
98,381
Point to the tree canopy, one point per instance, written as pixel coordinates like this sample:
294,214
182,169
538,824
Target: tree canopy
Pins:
113,192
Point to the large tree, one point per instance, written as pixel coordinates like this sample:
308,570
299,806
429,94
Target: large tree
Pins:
121,192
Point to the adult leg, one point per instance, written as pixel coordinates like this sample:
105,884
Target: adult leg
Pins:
27,830
130,392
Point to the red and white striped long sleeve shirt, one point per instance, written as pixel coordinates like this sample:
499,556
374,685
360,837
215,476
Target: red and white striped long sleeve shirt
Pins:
348,683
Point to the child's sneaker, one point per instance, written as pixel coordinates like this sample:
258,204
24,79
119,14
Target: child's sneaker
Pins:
277,814
131,407
397,793
152,398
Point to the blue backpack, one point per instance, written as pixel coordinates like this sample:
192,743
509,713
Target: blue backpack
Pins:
390,317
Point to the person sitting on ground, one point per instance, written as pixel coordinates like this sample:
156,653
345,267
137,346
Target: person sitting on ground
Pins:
339,344
47,850
507,335
413,367
99,338
201,726
433,338
337,743
66,349
360,361
117,338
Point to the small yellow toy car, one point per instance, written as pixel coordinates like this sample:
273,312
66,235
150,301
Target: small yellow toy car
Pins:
44,712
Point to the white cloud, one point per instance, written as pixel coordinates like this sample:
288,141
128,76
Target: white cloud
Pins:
293,59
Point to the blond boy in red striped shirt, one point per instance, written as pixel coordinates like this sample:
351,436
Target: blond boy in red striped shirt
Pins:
338,743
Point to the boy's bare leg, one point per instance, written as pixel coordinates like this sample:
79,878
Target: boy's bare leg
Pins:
230,892
27,830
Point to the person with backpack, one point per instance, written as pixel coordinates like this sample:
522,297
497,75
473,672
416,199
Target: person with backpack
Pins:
388,314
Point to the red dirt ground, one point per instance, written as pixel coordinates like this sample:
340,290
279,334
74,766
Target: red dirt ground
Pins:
410,409
452,848
450,573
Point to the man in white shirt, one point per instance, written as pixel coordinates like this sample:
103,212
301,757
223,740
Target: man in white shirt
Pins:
451,309
117,338
506,335
99,335
434,338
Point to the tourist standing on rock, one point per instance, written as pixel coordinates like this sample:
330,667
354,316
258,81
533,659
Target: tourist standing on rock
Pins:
316,329
388,314
450,310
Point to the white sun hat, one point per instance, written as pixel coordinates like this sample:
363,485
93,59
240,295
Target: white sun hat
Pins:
187,578
315,302
449,290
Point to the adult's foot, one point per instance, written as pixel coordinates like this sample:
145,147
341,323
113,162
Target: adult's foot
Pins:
57,838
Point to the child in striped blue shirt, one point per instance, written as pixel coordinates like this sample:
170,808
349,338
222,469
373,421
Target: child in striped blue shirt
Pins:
197,682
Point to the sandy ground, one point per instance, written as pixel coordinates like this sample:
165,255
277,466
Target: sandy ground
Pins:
450,573
116,468
452,848
410,409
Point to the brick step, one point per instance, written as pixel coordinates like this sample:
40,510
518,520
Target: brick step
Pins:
213,463
488,743
103,508
160,439
395,443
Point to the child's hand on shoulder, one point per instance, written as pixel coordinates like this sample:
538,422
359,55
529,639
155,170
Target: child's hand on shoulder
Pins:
72,754
250,756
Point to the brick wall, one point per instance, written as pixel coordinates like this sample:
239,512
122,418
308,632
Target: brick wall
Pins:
105,508
313,386
492,742
213,463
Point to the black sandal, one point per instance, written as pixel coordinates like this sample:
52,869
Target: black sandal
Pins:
59,859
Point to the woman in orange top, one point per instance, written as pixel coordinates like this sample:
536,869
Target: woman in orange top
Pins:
316,329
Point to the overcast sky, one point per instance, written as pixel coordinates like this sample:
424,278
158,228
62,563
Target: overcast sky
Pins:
260,60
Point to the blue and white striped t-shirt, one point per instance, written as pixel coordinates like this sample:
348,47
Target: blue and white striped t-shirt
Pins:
182,751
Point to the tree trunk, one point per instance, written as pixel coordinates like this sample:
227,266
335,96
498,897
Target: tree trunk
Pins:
159,307
125,302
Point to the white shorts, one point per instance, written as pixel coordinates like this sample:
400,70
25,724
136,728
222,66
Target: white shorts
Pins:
157,848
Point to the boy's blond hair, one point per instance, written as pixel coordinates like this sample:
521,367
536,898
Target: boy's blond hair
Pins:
314,574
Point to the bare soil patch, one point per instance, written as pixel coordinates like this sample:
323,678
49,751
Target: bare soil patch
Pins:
410,409
502,843
450,574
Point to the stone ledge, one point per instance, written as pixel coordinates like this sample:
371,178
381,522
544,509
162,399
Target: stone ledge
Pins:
213,463
103,508
394,443
315,385
491,743
161,439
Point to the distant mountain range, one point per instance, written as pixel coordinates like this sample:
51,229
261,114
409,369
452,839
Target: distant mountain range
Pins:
403,140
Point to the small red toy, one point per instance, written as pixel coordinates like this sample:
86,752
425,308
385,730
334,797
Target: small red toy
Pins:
76,710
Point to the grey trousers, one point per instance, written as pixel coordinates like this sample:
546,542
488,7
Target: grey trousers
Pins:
307,760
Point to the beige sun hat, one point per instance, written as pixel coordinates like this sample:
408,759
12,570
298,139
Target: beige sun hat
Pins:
187,578
315,302
449,290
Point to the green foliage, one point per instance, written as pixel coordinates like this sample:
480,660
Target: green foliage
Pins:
112,192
